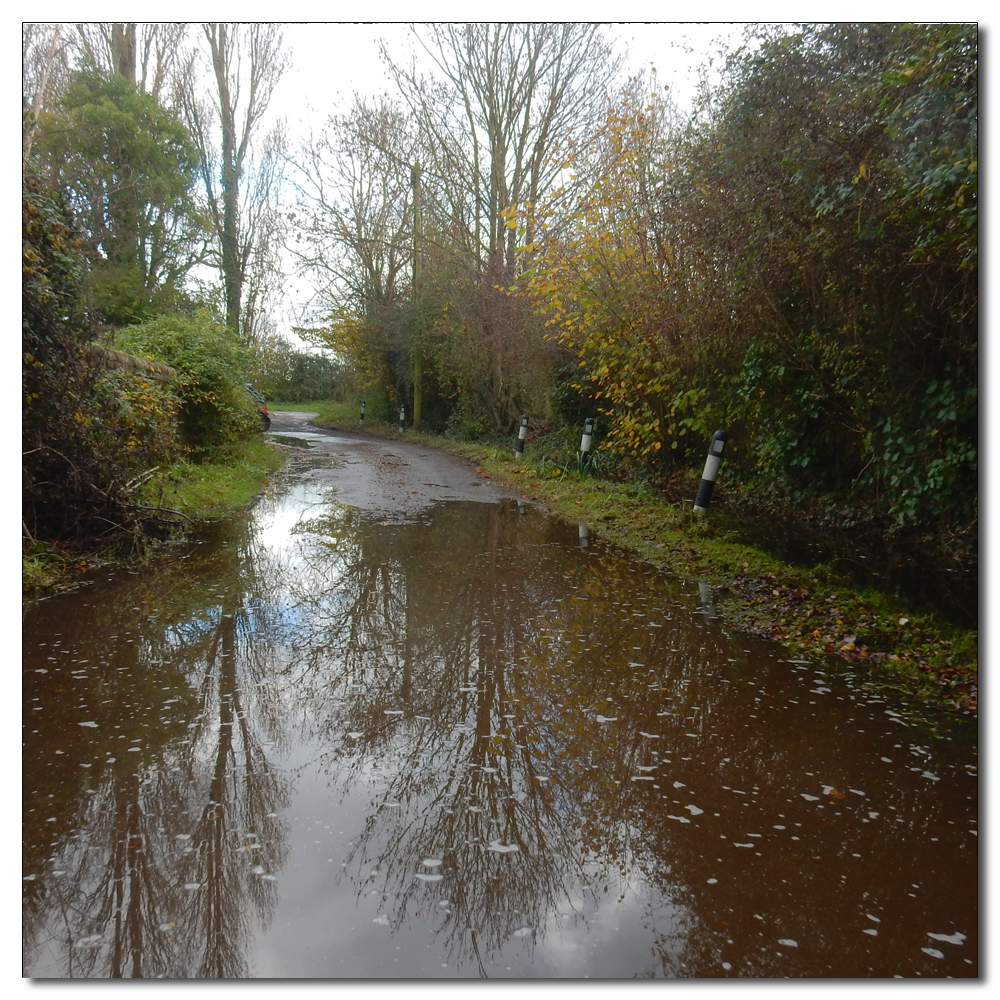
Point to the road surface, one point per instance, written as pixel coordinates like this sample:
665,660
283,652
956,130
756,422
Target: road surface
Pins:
396,478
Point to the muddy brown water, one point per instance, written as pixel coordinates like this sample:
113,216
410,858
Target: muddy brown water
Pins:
466,739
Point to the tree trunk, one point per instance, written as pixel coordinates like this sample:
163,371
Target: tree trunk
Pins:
123,49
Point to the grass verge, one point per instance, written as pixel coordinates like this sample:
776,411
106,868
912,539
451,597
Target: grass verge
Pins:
195,492
814,612
212,489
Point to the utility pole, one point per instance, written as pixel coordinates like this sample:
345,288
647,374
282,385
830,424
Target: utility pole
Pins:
418,356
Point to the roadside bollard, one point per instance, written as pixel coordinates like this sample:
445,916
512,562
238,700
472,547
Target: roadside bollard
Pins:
587,441
362,411
712,463
521,435
402,418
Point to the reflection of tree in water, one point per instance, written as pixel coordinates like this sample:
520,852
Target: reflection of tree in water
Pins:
517,711
536,722
690,716
435,663
236,838
159,851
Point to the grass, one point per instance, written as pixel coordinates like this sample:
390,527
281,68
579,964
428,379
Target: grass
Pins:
212,489
195,491
330,412
814,612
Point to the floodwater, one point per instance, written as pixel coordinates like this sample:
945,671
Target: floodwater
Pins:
474,742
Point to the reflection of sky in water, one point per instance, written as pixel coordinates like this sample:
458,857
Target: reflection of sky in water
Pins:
275,526
332,937
367,697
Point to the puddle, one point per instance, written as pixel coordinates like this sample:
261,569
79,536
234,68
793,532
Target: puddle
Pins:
291,440
321,745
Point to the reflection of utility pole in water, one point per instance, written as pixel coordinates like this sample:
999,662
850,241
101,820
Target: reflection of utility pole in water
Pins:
131,877
221,959
406,686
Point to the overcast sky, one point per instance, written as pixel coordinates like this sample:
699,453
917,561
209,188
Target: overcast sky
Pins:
333,60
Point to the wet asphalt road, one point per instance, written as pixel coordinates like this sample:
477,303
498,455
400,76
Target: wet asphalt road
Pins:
396,478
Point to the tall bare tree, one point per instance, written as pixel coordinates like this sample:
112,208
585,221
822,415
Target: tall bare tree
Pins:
496,118
507,100
245,64
353,230
45,66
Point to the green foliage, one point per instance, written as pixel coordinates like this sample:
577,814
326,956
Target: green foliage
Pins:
212,372
931,100
143,411
281,372
52,270
929,454
798,267
126,166
843,177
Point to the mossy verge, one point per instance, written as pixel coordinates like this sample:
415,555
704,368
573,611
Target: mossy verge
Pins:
817,614
207,490
185,492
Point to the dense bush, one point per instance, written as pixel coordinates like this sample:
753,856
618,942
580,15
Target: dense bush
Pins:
837,188
212,370
88,438
798,266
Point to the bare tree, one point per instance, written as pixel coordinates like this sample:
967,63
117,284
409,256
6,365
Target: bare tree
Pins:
505,103
510,97
353,209
246,62
45,65
264,228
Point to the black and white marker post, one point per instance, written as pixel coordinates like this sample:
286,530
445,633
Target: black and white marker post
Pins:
362,411
521,435
402,418
587,441
711,470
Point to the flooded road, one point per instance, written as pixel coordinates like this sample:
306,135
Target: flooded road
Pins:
425,737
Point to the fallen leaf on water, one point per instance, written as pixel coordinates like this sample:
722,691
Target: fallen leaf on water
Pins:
957,938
